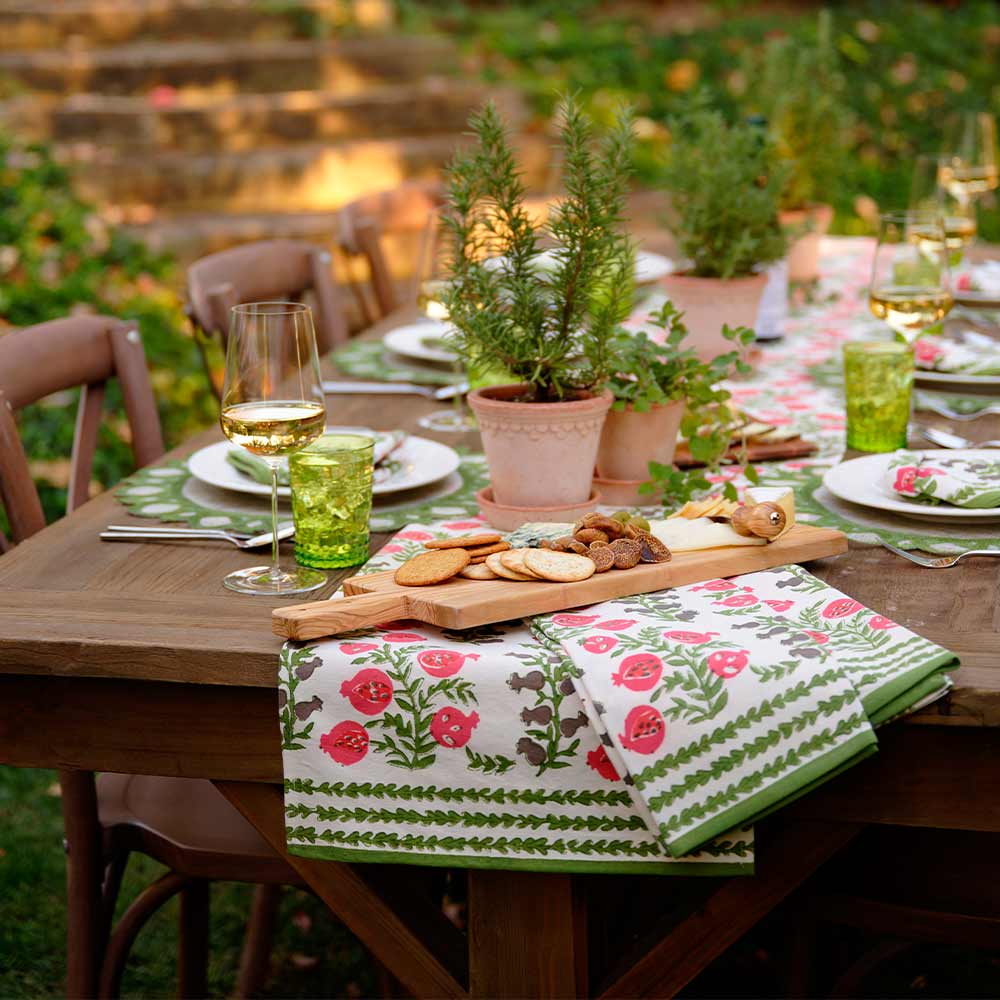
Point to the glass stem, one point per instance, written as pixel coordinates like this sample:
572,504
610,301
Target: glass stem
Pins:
275,568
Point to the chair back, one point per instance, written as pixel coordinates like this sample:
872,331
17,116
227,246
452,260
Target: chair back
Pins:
84,351
362,226
269,270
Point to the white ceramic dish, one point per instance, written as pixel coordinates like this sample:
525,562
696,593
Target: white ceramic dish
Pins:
415,340
987,385
861,481
420,462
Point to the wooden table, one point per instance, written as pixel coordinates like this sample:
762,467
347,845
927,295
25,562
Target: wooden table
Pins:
134,658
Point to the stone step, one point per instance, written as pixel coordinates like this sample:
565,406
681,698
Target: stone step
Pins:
40,24
347,66
254,121
308,177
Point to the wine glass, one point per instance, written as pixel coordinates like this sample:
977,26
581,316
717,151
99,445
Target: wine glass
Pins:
272,405
431,285
969,161
911,281
931,195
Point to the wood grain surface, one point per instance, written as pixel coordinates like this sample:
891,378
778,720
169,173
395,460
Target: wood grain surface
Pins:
460,603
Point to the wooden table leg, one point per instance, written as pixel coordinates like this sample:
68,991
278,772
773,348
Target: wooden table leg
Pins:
526,938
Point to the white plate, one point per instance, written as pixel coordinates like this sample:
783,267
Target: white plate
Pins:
420,460
988,385
410,341
860,481
649,267
976,300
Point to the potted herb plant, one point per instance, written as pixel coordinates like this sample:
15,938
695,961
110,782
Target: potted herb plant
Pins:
541,301
799,94
724,185
654,385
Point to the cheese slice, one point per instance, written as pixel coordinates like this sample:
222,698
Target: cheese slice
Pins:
684,535
780,495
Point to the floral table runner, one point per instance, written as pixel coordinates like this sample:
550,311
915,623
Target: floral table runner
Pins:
948,479
623,736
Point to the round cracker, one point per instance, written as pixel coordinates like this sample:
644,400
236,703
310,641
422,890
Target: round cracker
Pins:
514,560
478,571
498,567
559,567
464,541
431,567
488,550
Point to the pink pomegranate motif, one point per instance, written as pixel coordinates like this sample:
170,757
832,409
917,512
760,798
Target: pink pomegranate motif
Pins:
779,606
927,352
599,643
452,728
880,622
463,525
346,743
638,672
443,662
716,585
738,601
570,621
841,608
820,638
415,536
352,648
728,663
691,638
616,624
404,637
369,691
644,730
599,761
906,477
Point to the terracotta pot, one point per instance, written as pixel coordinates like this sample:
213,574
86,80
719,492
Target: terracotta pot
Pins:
539,454
708,303
808,226
631,440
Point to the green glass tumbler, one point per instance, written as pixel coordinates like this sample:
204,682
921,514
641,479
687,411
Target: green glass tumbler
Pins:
878,379
331,484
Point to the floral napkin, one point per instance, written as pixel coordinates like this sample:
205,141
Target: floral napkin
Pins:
636,735
950,479
976,355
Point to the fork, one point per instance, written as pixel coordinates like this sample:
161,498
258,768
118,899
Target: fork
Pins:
926,403
126,534
938,562
945,439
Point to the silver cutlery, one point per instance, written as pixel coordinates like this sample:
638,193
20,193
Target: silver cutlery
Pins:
396,389
926,403
156,529
945,439
938,562
124,533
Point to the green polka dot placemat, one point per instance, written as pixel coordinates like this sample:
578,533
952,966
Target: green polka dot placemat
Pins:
169,492
369,359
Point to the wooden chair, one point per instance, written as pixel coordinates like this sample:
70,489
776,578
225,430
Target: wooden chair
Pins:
269,270
362,227
183,823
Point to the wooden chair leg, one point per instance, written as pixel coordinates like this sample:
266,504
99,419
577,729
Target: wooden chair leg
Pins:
255,962
192,979
86,928
132,921
801,937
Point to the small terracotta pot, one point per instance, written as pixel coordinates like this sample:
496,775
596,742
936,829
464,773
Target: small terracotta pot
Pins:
539,454
809,226
708,303
631,440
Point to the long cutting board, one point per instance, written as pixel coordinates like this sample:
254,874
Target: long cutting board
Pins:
461,603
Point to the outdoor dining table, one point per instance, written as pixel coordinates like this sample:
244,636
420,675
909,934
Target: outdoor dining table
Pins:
134,658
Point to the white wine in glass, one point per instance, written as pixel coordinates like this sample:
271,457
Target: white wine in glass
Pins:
272,405
969,162
930,195
911,281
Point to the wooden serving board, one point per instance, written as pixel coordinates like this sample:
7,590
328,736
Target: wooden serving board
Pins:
760,452
461,603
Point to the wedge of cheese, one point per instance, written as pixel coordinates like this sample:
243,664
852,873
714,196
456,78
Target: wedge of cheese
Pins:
780,495
688,535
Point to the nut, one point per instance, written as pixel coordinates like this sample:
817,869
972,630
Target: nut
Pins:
626,551
588,535
603,558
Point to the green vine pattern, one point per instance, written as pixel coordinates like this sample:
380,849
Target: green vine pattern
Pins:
295,666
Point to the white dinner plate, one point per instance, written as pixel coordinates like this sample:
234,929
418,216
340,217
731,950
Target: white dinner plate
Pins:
417,340
987,385
862,481
649,267
418,462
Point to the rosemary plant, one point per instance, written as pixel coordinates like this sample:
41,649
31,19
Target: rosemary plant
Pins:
545,315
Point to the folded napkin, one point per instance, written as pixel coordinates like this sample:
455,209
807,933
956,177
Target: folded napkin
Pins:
944,478
977,355
622,737
984,278
386,442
